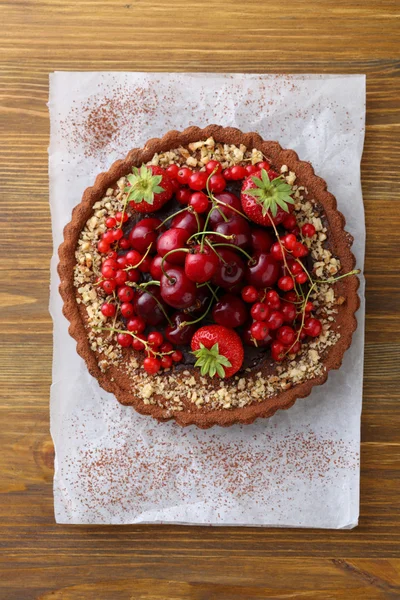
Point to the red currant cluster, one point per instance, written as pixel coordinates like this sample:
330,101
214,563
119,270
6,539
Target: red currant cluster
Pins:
206,247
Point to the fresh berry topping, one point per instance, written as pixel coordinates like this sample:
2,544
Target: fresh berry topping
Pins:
286,283
149,189
183,175
262,271
275,320
250,294
136,325
178,334
286,335
219,351
201,264
150,306
177,289
155,339
238,172
217,184
145,234
177,356
183,196
124,340
151,365
171,241
199,202
260,311
198,180
172,171
213,166
273,300
110,222
312,327
265,199
308,230
108,309
230,311
189,221
127,310
259,330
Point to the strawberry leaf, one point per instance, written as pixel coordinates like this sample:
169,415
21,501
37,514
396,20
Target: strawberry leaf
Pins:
143,185
271,194
211,361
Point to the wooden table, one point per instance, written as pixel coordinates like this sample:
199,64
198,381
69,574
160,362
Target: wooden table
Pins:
40,559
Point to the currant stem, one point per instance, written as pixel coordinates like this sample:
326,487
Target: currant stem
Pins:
164,258
212,291
141,260
203,316
334,279
203,233
147,346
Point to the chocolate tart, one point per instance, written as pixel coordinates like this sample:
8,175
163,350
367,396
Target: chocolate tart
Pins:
262,386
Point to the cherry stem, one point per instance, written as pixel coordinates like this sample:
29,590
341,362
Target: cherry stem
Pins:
247,255
231,208
225,218
144,285
203,316
172,216
212,291
203,233
141,260
164,258
217,253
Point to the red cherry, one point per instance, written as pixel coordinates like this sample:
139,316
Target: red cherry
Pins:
286,335
125,294
183,195
198,180
155,339
127,310
249,294
172,171
273,300
312,327
199,202
177,289
187,220
110,222
148,305
230,311
136,325
137,343
277,351
301,278
109,286
308,230
173,239
124,244
177,334
177,356
175,185
230,270
124,340
275,320
288,311
263,271
200,265
259,330
151,365
144,234
251,169
155,267
213,166
260,311
183,175
166,362
108,309
120,277
235,226
261,240
276,252
217,184
103,247
228,199
289,222
286,283
238,172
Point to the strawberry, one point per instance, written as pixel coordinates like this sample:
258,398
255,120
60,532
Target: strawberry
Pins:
218,350
145,194
266,196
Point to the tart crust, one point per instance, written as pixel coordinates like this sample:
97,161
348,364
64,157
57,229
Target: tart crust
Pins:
340,243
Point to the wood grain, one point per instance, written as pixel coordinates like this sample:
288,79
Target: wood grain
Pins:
39,559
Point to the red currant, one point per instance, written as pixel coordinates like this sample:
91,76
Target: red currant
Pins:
308,230
108,309
227,174
110,222
299,250
124,244
289,241
108,271
251,169
166,362
155,339
199,202
172,171
301,278
259,311
166,347
276,251
183,195
183,175
275,320
249,294
136,325
277,351
259,330
124,340
108,236
177,356
125,294
138,342
309,307
273,300
285,283
291,297
238,172
295,348
151,365
112,254
217,184
288,310
132,275
198,180
109,286
103,247
127,310
263,165
289,222
312,327
117,234
121,217
286,335
120,277
213,166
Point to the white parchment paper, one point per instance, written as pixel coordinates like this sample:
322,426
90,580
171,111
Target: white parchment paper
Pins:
299,468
